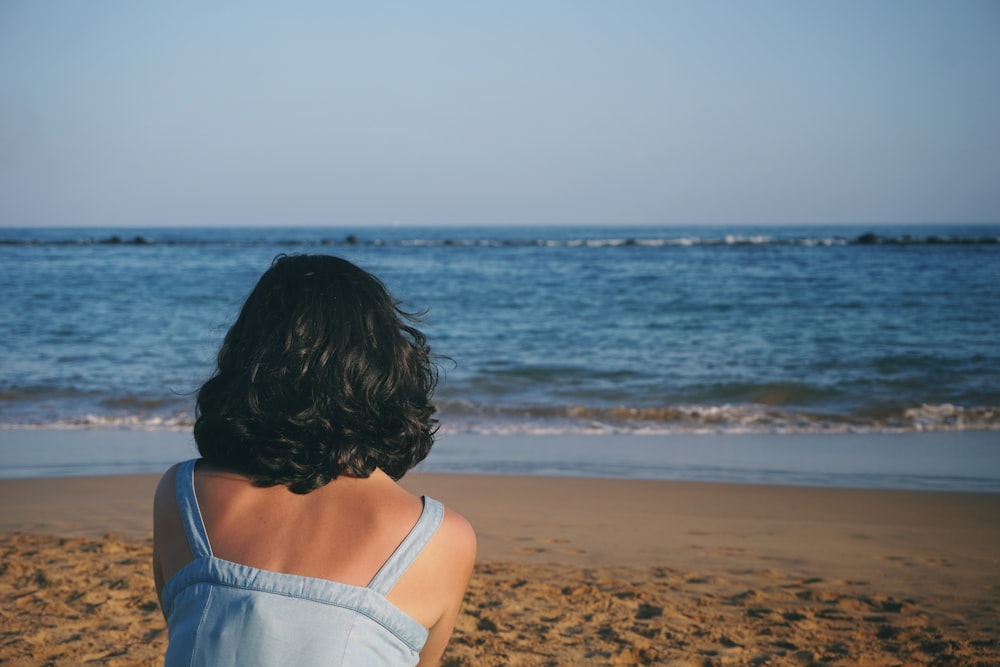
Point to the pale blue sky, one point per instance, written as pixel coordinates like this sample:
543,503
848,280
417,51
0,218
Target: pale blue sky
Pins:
625,112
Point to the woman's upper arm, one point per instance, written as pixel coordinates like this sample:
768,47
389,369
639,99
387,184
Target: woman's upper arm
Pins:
167,528
459,541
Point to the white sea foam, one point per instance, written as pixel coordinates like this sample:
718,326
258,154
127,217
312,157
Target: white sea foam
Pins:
464,417
721,419
104,422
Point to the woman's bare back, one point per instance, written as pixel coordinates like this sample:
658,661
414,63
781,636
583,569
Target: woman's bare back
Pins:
343,532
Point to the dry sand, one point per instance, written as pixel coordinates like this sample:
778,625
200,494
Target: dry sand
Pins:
576,572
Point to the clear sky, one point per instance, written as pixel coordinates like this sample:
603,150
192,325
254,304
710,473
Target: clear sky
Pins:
498,112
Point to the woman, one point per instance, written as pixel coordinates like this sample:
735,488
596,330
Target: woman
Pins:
290,542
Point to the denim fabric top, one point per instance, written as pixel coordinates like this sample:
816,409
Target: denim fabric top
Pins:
221,613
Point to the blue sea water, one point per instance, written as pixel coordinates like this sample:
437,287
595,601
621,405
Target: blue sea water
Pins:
561,330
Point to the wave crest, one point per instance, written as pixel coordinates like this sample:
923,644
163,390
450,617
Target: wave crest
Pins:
467,417
707,419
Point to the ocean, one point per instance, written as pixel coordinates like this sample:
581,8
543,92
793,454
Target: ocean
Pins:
562,331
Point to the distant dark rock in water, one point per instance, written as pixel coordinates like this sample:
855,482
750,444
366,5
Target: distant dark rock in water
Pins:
350,239
870,238
117,240
669,239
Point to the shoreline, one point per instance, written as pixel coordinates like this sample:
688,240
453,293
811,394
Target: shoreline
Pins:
575,571
944,461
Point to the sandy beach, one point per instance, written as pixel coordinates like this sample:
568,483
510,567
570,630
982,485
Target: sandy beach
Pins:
575,572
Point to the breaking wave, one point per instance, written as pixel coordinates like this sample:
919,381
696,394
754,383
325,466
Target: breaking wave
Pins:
702,419
458,417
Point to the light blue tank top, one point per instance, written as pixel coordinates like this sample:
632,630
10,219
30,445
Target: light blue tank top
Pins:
223,614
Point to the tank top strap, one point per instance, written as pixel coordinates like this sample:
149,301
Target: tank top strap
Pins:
187,502
411,546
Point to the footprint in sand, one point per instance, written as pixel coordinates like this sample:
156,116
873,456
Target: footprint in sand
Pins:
899,560
532,550
937,562
544,546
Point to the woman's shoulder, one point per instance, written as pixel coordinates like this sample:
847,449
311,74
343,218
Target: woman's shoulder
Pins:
457,534
451,553
167,486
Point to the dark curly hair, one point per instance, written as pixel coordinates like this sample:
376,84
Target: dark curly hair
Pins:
321,375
